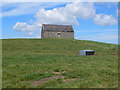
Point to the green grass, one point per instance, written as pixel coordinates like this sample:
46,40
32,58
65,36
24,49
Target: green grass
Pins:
27,60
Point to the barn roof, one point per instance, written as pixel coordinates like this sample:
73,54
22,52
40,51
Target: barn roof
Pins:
51,27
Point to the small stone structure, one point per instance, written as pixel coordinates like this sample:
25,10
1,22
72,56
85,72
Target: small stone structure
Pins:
87,52
57,31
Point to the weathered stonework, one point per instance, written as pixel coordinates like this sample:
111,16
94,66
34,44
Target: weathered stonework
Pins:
53,31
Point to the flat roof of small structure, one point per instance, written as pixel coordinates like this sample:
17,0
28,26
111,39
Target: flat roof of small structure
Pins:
86,50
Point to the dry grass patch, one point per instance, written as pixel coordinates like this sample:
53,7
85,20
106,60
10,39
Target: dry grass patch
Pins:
42,81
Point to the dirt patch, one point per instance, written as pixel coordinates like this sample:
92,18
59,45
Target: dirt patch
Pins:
46,80
58,72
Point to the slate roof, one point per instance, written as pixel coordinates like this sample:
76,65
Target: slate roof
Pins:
61,28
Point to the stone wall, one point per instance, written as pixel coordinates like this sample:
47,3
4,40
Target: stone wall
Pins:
47,34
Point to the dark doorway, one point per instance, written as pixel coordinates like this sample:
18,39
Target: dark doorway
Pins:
90,53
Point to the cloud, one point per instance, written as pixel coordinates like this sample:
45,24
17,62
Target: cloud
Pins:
67,14
70,13
60,0
104,20
17,8
55,17
80,10
20,26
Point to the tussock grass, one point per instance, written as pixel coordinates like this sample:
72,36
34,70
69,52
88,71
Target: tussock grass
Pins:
29,60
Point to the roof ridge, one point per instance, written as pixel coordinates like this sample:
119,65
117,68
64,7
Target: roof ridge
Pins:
56,25
53,27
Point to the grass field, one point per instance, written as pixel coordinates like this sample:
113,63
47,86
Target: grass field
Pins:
35,63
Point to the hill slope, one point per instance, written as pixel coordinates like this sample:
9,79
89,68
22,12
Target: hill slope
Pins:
28,60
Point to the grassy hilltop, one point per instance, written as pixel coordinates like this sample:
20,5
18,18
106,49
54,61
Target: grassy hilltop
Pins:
54,63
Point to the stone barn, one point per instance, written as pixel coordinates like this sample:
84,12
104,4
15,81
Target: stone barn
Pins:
57,31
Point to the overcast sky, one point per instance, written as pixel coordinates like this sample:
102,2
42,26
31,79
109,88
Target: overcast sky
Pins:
91,21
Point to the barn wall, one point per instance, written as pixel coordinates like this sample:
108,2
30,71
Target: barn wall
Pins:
46,34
